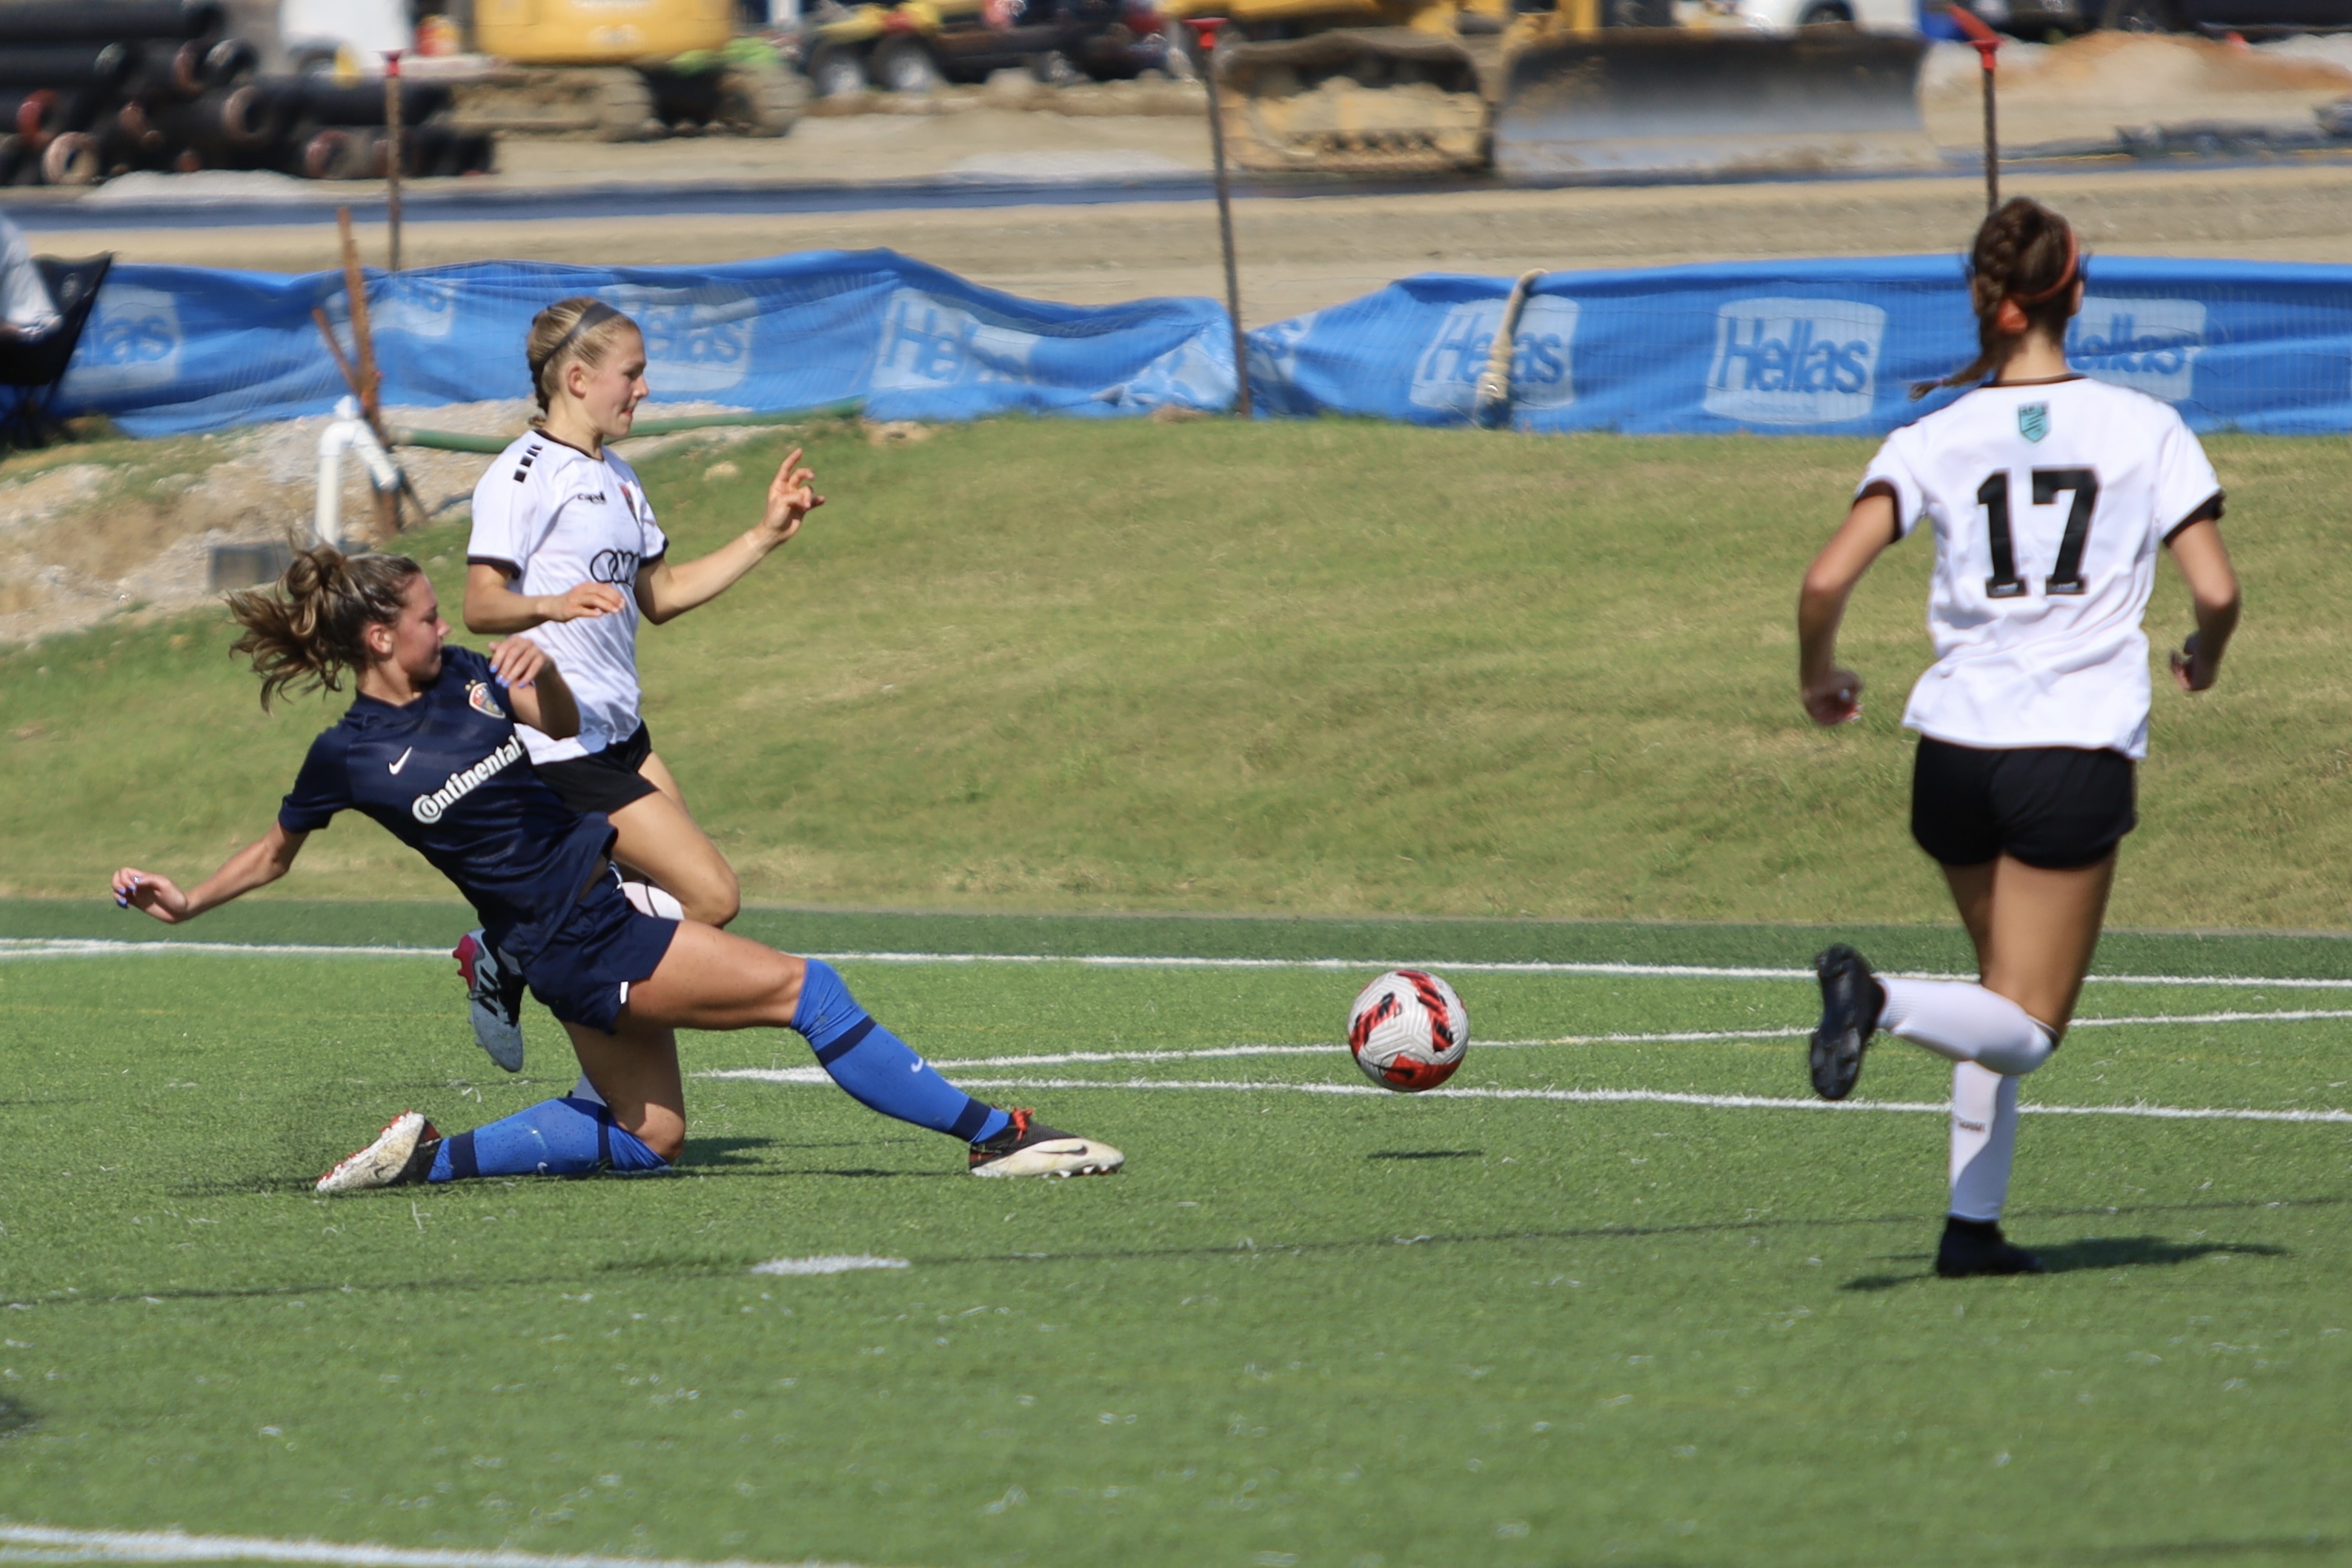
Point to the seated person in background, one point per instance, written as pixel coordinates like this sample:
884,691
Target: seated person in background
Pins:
26,309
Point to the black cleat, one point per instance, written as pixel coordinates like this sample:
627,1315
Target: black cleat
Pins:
1852,999
1976,1246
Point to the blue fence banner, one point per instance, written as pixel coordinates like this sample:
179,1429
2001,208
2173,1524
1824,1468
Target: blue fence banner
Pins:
177,349
1787,347
1809,347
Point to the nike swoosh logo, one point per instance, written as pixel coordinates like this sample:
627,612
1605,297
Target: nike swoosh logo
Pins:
404,761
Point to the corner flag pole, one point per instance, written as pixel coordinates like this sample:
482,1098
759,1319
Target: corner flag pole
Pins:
1985,41
1205,29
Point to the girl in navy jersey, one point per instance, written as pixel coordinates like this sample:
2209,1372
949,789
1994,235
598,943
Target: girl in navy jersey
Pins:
432,750
2050,497
566,552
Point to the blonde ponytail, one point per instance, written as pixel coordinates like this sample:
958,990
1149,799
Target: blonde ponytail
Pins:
577,331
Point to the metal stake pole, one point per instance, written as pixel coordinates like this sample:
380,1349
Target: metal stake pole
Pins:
391,121
1206,28
1987,43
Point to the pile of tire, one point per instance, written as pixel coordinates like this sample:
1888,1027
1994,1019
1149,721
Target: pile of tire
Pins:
91,89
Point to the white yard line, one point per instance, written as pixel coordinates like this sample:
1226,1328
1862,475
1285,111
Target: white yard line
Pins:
94,947
39,1543
1651,1096
1678,1037
97,947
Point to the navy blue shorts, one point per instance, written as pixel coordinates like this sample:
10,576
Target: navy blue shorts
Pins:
603,947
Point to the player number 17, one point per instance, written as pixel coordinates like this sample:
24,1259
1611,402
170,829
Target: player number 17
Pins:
2067,577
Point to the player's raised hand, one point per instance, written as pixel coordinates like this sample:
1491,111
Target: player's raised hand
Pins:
1832,698
584,602
2191,670
159,896
791,496
517,662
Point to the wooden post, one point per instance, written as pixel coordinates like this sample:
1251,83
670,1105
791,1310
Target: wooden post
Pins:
1205,29
392,108
365,378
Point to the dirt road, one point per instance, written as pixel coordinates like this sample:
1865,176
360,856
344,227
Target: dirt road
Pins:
1301,255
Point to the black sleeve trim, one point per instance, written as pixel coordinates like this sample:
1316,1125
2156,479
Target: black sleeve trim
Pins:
508,567
2208,510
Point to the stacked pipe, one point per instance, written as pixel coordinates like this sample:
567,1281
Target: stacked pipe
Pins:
90,89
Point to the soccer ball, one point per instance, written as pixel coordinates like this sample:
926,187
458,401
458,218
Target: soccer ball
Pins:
1408,1031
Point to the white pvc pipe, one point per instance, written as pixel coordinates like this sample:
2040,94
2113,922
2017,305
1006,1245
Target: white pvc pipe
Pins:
347,433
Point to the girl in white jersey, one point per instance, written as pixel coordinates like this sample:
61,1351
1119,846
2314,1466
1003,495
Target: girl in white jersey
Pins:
566,552
2049,495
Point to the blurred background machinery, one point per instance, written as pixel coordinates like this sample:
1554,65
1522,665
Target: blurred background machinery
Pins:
917,45
620,70
1542,88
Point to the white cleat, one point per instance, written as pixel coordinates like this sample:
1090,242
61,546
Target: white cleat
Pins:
494,998
401,1156
1030,1148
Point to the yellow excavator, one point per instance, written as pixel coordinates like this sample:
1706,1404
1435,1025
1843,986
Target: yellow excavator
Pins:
1553,90
620,70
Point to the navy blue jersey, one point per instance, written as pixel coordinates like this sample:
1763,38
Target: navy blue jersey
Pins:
447,776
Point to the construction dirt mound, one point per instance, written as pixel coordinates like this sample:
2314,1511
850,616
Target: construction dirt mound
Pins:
2087,89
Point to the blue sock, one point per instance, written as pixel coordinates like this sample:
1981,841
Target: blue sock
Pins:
553,1138
876,1067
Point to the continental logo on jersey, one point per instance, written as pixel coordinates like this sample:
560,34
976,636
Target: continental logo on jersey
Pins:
427,808
2033,421
1795,362
1542,371
481,699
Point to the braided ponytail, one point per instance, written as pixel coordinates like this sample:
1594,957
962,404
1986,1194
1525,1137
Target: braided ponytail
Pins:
312,626
2025,257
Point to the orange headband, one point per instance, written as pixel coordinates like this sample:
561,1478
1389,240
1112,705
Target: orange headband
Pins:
2065,275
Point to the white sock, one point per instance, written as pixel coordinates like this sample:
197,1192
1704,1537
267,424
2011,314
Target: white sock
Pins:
586,1090
1984,1138
651,900
1965,1023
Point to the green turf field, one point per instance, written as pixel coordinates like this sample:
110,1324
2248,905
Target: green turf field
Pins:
1309,668
1311,1324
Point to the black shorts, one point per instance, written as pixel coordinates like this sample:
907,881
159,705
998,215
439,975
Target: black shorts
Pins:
604,781
2057,807
603,946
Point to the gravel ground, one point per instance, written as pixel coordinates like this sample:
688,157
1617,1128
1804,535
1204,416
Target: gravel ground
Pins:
86,533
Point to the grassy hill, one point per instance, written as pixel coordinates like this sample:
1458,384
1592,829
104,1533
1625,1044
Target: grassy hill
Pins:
1330,668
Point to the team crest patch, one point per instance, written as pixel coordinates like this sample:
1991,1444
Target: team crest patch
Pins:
2033,421
480,698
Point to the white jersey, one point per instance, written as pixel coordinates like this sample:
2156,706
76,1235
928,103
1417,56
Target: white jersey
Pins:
551,517
2048,500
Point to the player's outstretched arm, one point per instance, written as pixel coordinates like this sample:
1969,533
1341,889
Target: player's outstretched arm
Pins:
535,688
666,592
2204,561
257,865
1831,695
493,609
